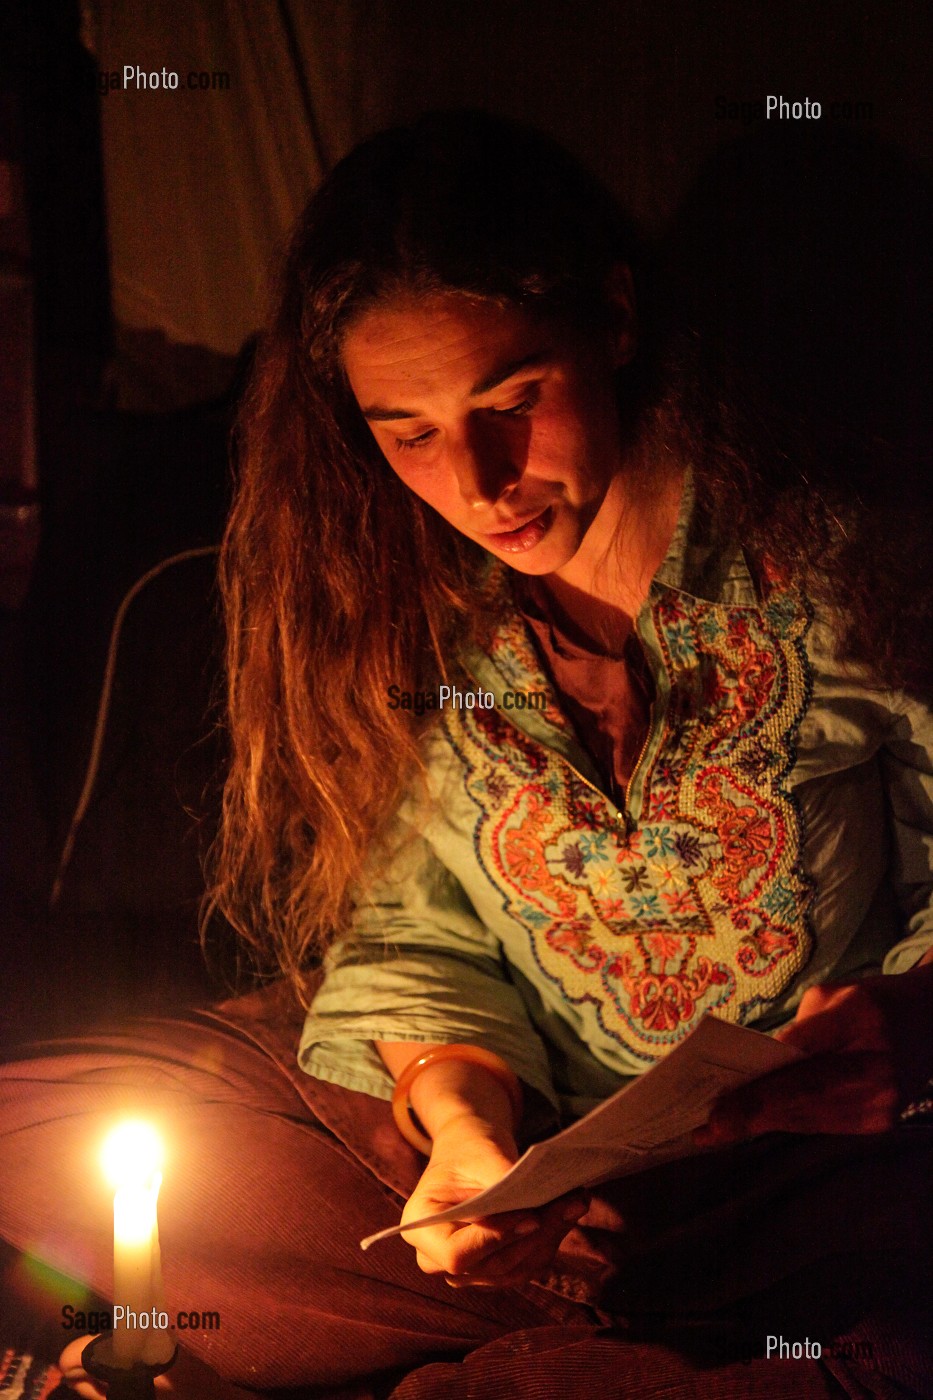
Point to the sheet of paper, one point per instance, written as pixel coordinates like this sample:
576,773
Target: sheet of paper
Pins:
648,1122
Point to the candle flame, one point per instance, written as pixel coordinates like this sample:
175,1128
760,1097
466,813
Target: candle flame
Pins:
132,1154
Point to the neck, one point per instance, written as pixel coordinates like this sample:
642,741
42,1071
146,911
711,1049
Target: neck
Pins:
601,590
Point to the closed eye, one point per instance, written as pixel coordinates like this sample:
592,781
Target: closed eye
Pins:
516,410
420,441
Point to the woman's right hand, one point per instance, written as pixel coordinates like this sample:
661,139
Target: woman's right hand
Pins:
498,1251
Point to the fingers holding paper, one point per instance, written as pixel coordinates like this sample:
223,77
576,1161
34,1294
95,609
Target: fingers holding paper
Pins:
866,1052
497,1251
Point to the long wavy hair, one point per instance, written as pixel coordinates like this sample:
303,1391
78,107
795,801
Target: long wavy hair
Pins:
338,582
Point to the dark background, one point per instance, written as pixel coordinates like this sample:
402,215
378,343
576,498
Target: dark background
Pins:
803,243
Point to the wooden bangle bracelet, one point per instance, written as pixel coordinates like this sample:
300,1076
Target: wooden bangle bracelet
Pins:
406,1119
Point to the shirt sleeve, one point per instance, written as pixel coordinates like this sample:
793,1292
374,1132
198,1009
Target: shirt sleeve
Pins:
416,965
907,768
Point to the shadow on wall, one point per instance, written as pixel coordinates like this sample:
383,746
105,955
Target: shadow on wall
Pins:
800,260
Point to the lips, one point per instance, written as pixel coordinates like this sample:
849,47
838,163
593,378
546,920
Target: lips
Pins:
525,535
517,525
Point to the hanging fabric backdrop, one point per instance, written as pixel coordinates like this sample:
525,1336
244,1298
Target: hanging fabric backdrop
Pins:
204,180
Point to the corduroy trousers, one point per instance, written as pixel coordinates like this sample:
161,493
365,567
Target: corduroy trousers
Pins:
786,1267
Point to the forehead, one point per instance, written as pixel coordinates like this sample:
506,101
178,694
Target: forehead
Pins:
437,343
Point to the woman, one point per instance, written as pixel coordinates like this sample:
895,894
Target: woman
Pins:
464,465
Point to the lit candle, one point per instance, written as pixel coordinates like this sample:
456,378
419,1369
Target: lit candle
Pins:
132,1157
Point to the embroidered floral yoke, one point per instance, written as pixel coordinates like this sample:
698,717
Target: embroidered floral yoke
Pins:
777,831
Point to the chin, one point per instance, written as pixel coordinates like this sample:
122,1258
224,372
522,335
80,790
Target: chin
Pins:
542,563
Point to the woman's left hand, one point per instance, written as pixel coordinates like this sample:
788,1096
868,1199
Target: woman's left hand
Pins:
868,1051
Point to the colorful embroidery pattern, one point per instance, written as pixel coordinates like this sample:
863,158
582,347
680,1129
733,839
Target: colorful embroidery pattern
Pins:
702,905
515,658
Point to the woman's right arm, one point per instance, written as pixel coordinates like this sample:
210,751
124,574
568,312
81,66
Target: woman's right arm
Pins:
419,963
468,1116
418,967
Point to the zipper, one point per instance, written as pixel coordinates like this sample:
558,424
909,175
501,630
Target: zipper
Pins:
626,810
623,816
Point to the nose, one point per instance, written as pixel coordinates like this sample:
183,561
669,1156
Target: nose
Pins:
485,465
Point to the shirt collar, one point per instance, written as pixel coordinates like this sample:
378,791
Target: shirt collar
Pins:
715,571
711,571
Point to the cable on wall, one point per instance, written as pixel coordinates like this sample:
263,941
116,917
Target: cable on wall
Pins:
103,707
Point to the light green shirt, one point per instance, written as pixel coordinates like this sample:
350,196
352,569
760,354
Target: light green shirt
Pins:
777,832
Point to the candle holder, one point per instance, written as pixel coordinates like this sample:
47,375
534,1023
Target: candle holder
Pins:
135,1382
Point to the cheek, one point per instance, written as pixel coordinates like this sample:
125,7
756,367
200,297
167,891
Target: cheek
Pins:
572,451
601,440
427,486
412,476
578,435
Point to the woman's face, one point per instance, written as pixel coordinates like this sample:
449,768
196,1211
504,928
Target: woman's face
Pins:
506,425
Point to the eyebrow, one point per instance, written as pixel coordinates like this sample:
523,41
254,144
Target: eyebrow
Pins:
376,413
